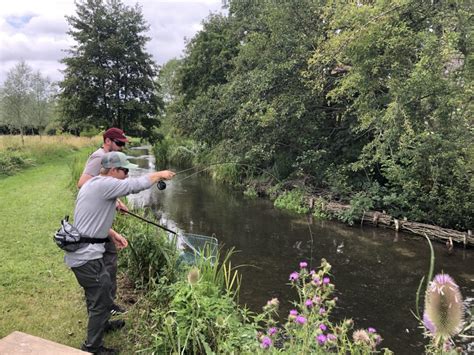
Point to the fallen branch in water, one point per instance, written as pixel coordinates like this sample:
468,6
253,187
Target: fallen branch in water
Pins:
385,220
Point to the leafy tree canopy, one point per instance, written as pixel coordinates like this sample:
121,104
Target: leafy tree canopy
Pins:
109,77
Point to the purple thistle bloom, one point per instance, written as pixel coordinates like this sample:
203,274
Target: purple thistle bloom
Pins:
272,331
331,337
321,339
326,280
303,265
371,330
293,314
294,276
309,303
323,327
300,320
322,310
266,342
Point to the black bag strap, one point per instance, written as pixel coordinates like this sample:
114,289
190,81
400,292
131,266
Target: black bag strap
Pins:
93,240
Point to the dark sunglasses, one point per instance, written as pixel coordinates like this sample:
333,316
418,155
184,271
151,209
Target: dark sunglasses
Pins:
119,143
125,170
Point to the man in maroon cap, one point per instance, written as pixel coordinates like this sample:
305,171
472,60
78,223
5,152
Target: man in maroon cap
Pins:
114,141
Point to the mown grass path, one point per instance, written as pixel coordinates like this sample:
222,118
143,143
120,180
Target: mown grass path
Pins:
38,293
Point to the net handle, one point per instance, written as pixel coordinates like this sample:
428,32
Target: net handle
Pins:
148,221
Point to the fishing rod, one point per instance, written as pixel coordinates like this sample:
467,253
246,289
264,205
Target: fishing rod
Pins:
180,236
148,221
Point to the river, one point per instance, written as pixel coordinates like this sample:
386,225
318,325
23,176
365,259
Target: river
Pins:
376,271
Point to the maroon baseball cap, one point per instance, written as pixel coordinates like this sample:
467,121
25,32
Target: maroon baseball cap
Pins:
115,133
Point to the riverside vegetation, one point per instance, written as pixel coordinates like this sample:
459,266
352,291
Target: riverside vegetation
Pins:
178,307
367,103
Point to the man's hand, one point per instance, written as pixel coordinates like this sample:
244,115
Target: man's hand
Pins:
120,242
119,205
161,175
167,174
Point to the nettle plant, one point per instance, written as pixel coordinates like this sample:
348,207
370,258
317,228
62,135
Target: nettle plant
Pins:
308,328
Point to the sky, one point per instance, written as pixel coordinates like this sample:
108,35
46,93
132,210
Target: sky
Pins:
35,30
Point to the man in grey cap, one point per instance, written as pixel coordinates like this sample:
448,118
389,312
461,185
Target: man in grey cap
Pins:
93,216
114,141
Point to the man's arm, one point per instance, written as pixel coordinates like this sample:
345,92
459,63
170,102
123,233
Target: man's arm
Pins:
83,179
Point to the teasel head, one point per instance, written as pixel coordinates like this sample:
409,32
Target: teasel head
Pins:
193,276
443,316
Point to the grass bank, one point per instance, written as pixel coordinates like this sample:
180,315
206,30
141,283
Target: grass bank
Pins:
38,294
17,155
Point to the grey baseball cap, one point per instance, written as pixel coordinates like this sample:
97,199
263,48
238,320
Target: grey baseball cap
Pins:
116,160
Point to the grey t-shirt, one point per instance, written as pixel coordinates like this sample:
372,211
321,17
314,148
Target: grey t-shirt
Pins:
92,168
94,163
95,212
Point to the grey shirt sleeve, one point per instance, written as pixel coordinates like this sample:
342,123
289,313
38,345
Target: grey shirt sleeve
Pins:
94,163
117,188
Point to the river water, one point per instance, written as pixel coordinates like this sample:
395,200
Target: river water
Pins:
376,271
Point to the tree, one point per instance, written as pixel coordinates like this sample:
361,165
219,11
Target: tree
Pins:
16,98
40,102
109,77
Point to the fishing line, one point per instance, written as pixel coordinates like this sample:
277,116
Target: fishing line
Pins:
222,163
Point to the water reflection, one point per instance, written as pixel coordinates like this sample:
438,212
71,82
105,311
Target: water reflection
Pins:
376,271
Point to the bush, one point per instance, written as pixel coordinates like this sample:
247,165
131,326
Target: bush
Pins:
293,201
11,161
177,151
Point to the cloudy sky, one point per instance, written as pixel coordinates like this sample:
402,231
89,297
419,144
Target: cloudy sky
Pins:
35,30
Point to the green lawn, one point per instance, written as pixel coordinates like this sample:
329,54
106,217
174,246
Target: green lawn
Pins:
38,293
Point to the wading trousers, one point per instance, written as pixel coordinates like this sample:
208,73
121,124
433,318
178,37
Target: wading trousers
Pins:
95,280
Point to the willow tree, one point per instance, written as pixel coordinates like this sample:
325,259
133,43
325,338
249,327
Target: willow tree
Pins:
109,77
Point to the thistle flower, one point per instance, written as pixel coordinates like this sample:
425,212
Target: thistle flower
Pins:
308,303
326,280
272,331
331,337
371,330
443,316
323,327
193,276
272,304
303,265
294,276
322,311
361,336
300,320
266,342
321,338
325,266
220,322
293,314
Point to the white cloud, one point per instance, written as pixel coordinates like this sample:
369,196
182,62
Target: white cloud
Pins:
35,31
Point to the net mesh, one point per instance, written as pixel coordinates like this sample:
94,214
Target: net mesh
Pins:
194,246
